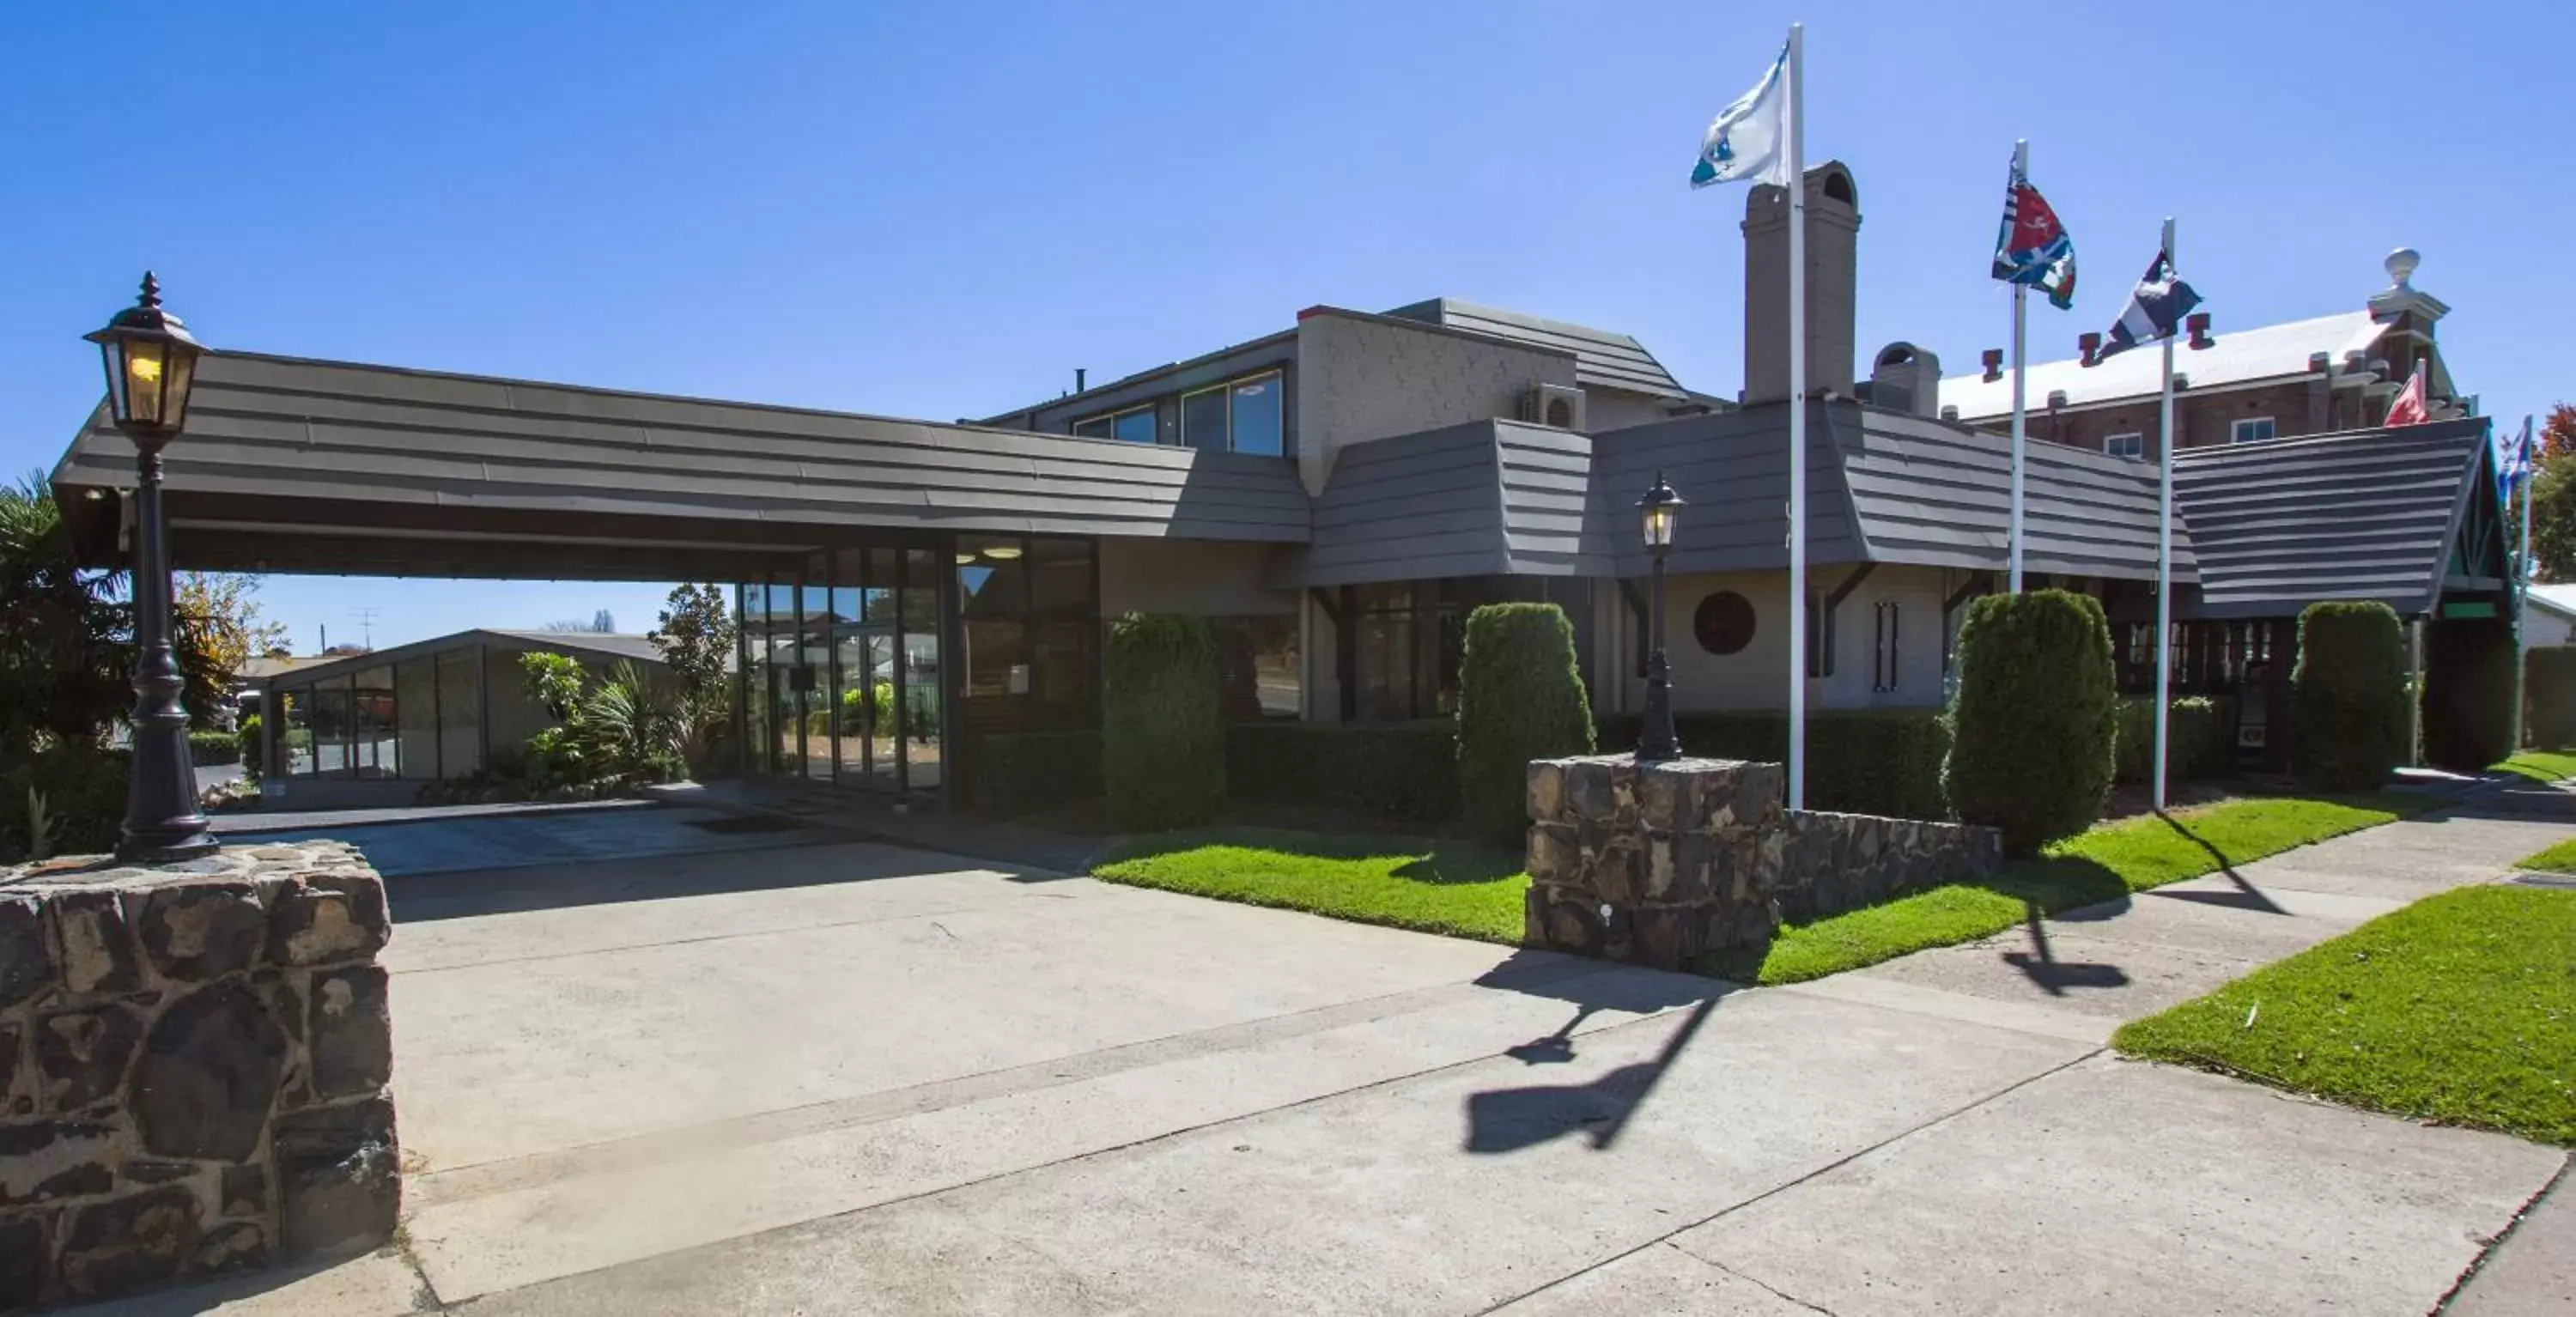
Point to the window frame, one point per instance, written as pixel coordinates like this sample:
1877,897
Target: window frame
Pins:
1108,423
2236,429
1226,388
2137,439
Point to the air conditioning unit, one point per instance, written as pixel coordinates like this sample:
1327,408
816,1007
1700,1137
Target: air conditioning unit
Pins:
1557,405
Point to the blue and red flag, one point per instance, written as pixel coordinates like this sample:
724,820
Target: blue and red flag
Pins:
2032,249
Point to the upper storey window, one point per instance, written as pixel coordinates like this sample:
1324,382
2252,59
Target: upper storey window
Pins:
1135,426
1243,416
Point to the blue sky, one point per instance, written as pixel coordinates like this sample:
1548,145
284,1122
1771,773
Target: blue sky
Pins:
942,210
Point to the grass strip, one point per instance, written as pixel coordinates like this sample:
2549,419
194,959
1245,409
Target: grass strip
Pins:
2102,864
2460,1008
2540,765
1449,887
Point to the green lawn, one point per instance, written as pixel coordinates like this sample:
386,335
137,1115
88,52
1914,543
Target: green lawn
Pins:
2106,862
1447,887
2560,858
2460,1008
2540,765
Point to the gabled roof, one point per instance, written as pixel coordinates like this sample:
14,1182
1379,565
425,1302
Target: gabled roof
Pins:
2366,515
1601,359
2234,357
599,646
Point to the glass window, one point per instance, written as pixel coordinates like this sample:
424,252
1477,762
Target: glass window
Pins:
922,733
295,730
1257,669
416,718
1203,420
2251,430
1095,428
1257,426
1134,427
460,713
331,728
1060,578
2131,446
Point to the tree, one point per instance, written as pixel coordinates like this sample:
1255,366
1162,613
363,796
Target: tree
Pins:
601,623
65,651
695,636
217,618
2553,497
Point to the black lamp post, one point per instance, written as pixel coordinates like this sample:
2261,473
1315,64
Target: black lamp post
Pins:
151,364
1656,742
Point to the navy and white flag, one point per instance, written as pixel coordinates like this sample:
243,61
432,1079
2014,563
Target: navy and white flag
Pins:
2155,309
1749,140
2512,460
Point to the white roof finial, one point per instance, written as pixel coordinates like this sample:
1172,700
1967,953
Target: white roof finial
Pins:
2401,265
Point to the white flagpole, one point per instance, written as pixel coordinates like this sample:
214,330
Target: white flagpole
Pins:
2522,581
2164,546
2020,419
1797,416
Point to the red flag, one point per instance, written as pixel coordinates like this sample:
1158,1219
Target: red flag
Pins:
2408,409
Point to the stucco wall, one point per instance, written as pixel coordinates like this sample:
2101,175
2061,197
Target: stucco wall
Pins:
1612,409
1175,576
1756,677
1365,377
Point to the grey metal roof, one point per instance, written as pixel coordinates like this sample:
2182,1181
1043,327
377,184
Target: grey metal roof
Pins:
382,440
582,644
1486,498
1882,486
2366,515
1601,358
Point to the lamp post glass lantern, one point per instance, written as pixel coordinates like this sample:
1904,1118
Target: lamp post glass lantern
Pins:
151,365
1659,510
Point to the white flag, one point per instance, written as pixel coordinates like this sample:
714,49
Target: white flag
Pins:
1749,139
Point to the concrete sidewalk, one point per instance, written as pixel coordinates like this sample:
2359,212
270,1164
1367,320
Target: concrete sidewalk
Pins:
856,1079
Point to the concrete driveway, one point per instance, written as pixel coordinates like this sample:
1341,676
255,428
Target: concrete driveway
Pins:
854,1078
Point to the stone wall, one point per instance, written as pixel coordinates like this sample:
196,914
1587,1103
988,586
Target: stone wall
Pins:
193,1069
1656,863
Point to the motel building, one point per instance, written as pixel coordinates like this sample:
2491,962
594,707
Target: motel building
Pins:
1336,496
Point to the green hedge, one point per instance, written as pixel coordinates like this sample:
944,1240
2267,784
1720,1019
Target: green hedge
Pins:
2348,696
2034,725
1406,771
253,752
2204,739
1013,773
2549,697
1520,697
1162,749
84,790
214,748
1859,761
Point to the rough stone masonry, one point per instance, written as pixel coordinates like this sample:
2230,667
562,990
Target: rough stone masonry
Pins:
1655,863
193,1068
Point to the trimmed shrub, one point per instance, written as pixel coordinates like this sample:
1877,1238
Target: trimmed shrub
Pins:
247,736
2468,692
2036,717
1014,773
2549,697
1859,761
1162,745
84,791
214,748
1520,697
2348,696
1406,771
2204,739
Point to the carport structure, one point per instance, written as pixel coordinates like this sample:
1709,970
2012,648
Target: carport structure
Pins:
896,578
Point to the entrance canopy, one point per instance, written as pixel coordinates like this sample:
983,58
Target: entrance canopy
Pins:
291,465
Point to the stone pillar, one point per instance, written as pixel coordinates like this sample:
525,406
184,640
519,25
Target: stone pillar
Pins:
194,1067
1651,863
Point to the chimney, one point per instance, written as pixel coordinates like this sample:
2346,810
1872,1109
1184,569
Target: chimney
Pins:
2057,399
1994,362
2198,323
2091,346
1905,378
1077,379
1833,228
